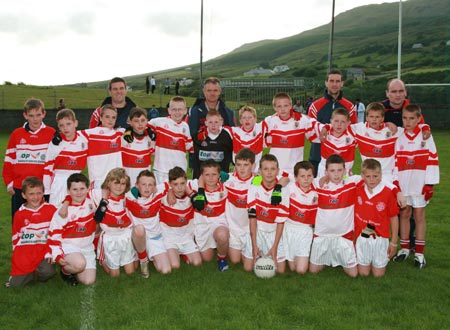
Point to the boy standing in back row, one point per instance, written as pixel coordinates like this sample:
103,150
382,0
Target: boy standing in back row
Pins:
417,167
26,150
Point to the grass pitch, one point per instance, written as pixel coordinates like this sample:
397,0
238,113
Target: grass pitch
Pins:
203,298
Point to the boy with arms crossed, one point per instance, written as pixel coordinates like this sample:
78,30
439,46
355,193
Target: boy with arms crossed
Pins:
67,154
31,253
137,144
376,211
298,228
177,223
25,152
266,220
417,168
71,238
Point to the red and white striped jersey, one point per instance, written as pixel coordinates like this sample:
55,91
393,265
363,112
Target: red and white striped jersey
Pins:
336,206
302,204
416,162
116,218
343,145
136,156
376,208
25,154
173,140
145,211
215,208
103,152
253,139
29,238
236,204
65,159
77,229
268,215
286,139
178,215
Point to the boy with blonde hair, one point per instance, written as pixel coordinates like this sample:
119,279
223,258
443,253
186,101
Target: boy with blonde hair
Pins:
26,150
172,140
417,168
249,135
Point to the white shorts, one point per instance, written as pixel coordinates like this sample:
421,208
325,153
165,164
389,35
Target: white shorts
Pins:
116,250
333,251
416,201
155,245
204,232
179,238
87,252
161,177
238,239
372,251
297,240
58,190
264,241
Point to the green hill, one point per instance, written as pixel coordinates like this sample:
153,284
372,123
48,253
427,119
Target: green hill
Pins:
365,37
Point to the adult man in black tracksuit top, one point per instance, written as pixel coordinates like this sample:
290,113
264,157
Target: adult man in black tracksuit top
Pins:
322,108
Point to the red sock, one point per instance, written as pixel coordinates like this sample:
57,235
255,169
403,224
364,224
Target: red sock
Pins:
420,246
221,257
185,258
142,256
404,243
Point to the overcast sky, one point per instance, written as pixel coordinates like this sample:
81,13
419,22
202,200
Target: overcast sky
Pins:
50,42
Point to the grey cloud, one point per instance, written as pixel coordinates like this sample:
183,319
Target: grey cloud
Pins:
34,30
174,24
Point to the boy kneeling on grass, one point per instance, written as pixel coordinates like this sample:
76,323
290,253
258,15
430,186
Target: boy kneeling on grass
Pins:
71,238
31,253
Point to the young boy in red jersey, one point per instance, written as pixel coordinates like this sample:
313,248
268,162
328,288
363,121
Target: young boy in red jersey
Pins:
376,212
211,227
298,228
67,154
177,222
417,168
26,150
266,220
173,140
249,135
104,146
31,254
333,232
71,238
286,133
143,203
236,212
137,144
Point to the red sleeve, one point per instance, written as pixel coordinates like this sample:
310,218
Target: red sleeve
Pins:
95,118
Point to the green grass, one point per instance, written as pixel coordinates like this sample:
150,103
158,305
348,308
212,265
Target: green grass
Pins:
203,298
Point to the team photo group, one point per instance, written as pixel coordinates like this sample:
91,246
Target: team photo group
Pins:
209,184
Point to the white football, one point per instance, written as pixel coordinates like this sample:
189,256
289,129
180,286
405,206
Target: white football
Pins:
265,267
